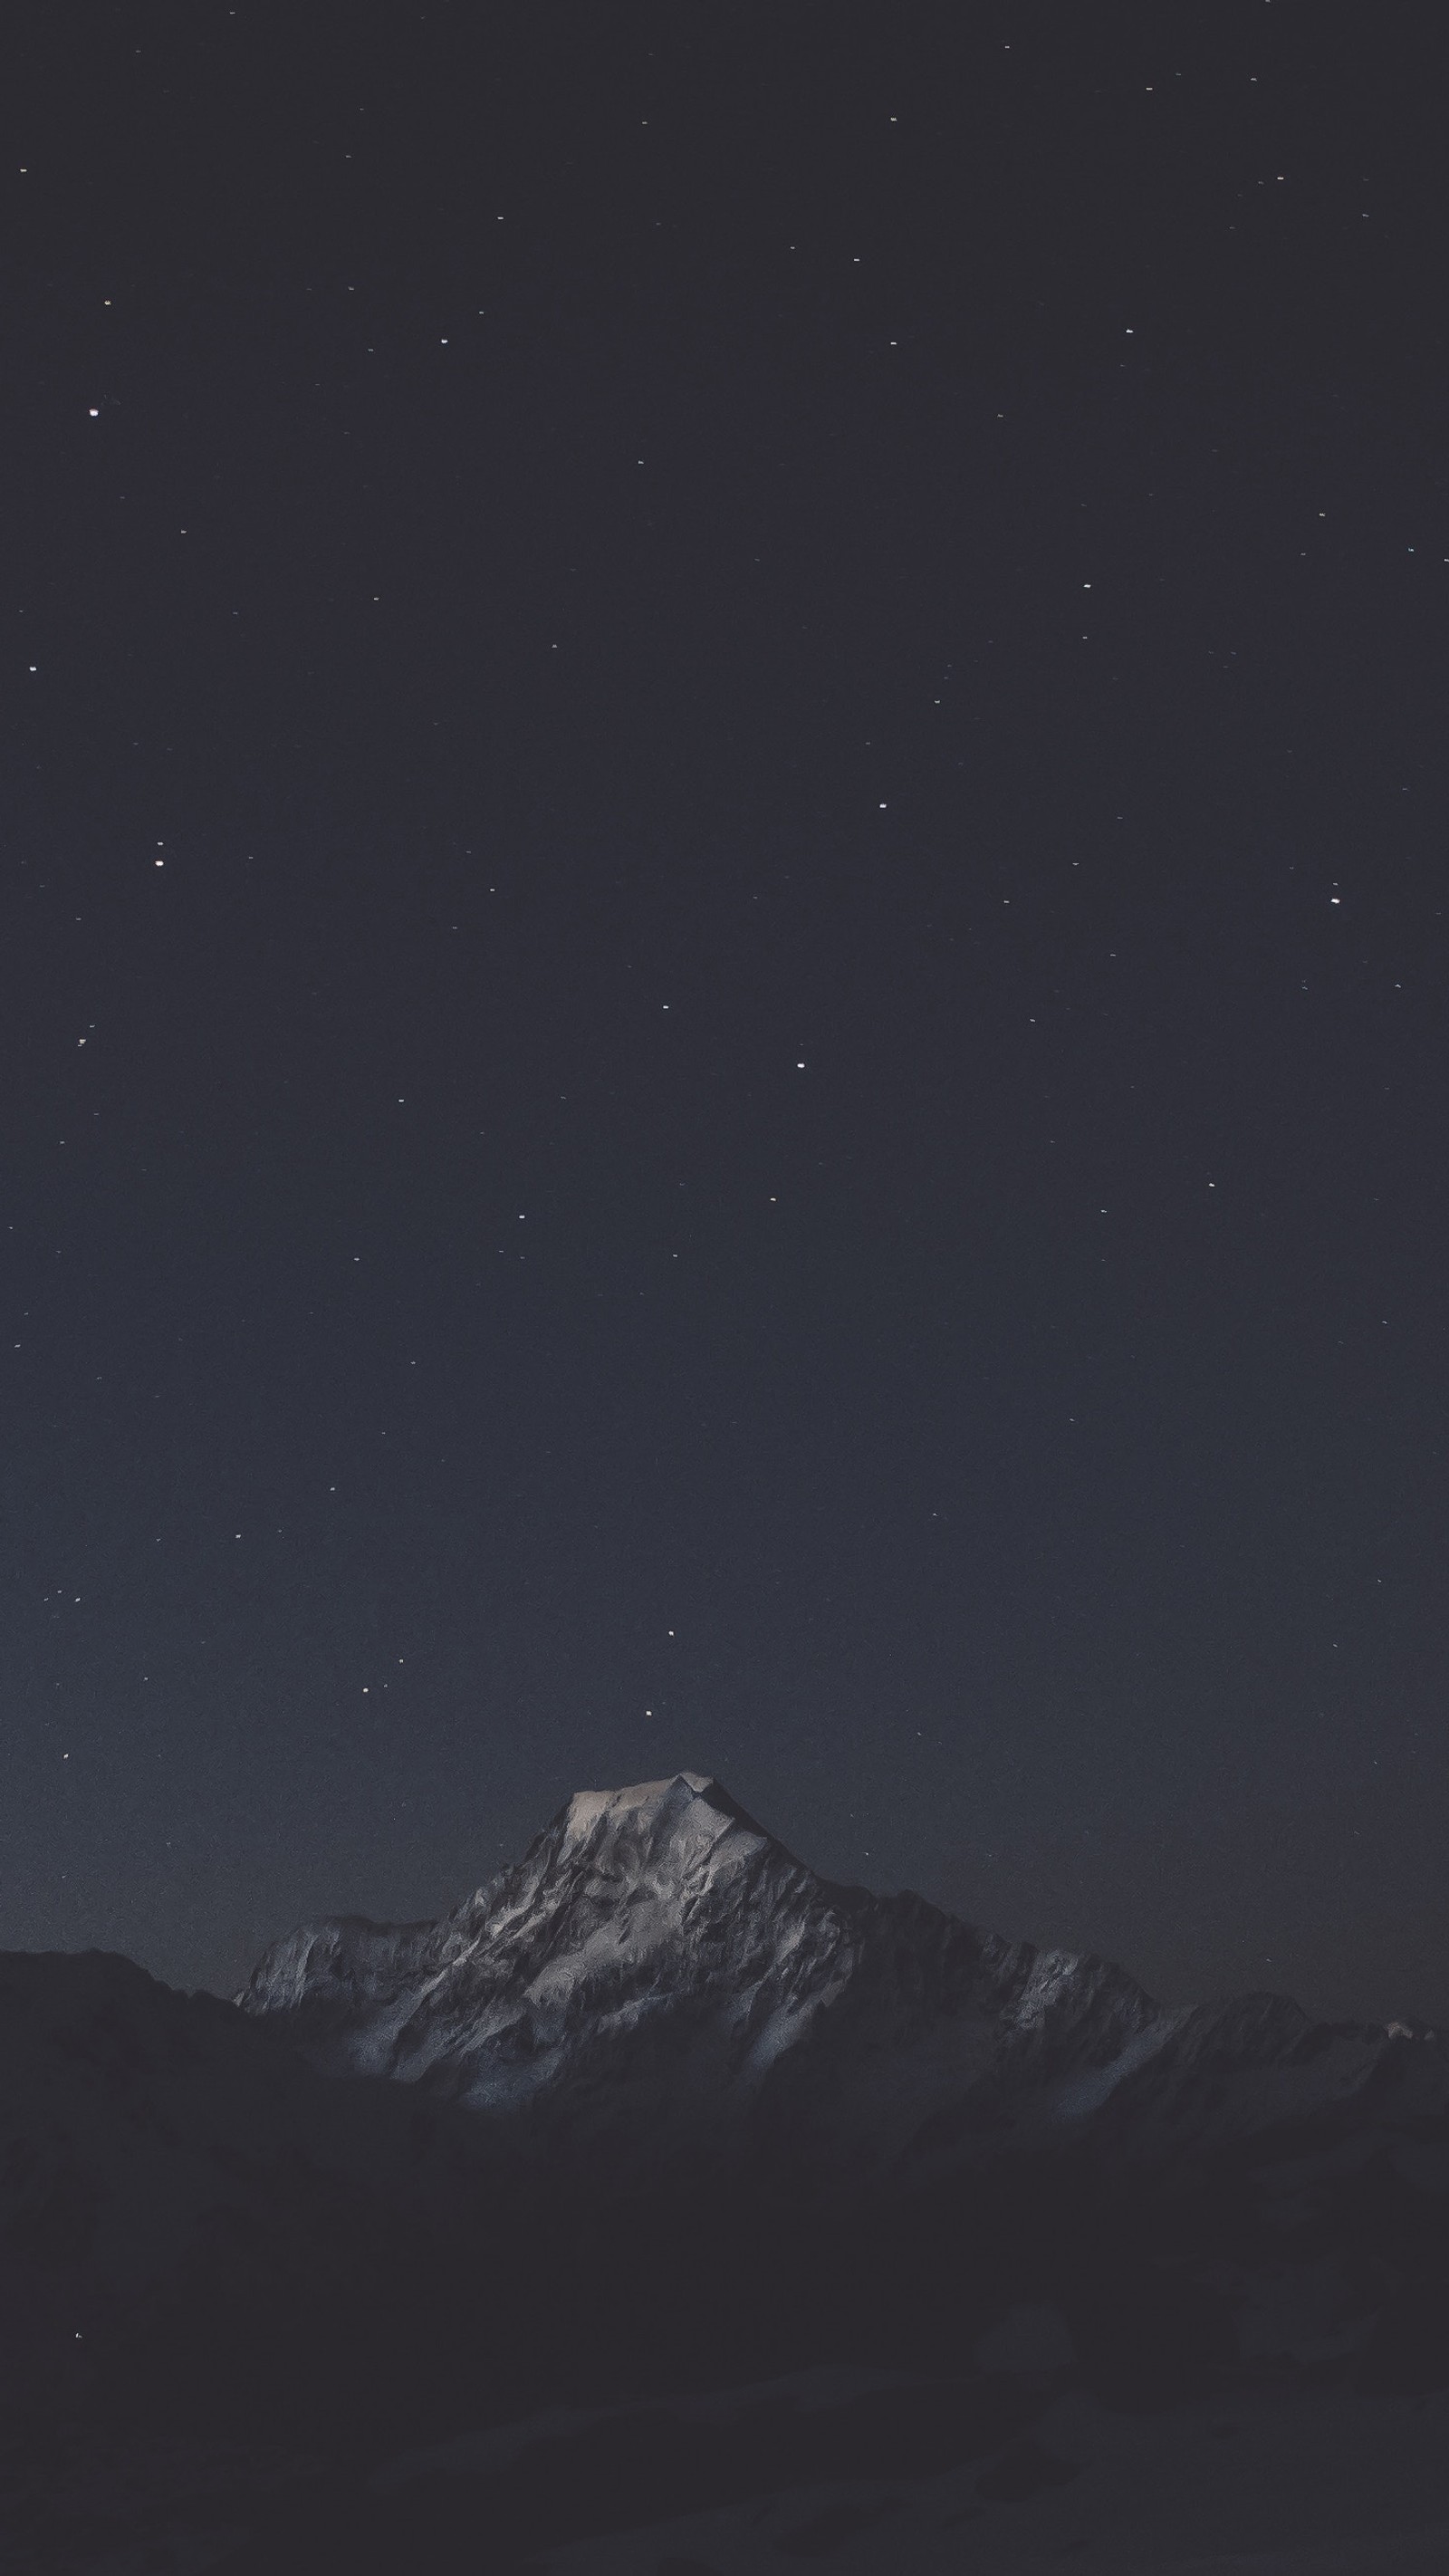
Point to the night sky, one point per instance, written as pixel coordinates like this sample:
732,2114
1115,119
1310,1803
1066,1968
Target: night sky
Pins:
724,961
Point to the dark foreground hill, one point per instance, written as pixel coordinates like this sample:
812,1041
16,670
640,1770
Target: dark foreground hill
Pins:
659,2110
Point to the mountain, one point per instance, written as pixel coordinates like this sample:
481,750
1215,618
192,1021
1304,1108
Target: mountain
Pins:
658,1976
660,2111
894,2123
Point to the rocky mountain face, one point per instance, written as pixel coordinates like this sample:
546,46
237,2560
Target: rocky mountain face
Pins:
658,1972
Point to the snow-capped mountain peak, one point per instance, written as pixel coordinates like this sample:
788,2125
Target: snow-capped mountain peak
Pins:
675,1822
657,1970
654,1918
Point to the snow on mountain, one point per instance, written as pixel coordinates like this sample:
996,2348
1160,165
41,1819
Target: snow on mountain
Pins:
658,1963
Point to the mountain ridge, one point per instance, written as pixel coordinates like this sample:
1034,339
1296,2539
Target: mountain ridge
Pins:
659,1962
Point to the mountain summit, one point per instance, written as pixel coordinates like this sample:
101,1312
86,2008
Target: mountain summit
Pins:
652,1937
